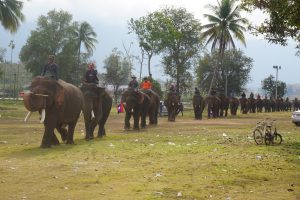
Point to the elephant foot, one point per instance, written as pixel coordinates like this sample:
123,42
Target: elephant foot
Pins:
45,146
70,142
89,138
100,136
137,128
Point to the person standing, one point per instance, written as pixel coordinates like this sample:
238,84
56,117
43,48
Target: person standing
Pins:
50,69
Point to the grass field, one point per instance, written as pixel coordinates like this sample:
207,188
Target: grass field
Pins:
188,159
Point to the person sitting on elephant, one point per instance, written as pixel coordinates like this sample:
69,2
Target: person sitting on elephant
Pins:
243,95
172,89
91,74
133,84
258,96
146,84
50,69
251,95
197,91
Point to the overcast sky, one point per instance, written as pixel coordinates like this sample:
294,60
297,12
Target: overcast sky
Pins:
109,20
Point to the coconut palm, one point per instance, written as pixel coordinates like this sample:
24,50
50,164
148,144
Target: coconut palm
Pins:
85,35
10,14
224,22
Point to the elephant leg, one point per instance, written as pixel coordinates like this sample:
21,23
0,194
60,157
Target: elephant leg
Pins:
91,128
101,132
136,120
48,136
127,120
54,140
63,132
70,135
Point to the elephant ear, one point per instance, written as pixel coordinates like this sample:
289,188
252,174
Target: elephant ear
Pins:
59,96
100,91
141,98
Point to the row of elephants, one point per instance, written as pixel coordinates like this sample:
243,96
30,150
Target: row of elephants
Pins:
218,105
61,103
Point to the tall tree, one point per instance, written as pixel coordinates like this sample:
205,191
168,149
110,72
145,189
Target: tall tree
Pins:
282,21
269,85
54,35
224,23
147,30
86,36
117,71
238,68
11,14
180,39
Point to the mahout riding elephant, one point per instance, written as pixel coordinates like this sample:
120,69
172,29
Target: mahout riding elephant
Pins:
59,103
198,105
252,105
154,107
139,104
233,104
213,105
244,105
259,104
172,103
96,109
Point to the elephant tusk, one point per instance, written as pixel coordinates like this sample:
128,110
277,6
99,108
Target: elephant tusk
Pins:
43,95
93,115
43,116
27,116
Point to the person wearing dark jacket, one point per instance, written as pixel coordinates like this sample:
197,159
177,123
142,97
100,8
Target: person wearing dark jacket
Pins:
91,74
50,69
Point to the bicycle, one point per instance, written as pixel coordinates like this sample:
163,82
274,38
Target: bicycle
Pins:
272,137
262,133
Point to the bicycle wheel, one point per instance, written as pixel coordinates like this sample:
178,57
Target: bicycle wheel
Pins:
277,138
258,137
268,138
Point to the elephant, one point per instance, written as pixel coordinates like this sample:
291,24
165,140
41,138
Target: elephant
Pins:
139,104
267,104
198,105
224,105
213,105
96,109
59,103
155,103
172,103
233,104
252,105
244,105
259,104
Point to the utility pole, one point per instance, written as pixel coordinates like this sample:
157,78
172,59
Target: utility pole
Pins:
277,68
12,46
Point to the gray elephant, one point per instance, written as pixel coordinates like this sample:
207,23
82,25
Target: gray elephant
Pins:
59,103
198,105
173,104
136,104
213,105
96,109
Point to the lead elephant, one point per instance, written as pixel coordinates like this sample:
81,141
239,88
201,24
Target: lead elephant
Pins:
198,105
224,105
59,103
154,107
96,109
137,104
172,103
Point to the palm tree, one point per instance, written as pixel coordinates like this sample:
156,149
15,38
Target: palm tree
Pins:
85,35
10,14
223,23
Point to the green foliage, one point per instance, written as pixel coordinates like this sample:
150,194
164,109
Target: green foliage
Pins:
181,43
11,14
117,71
54,35
224,23
283,19
157,87
235,64
148,33
269,85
